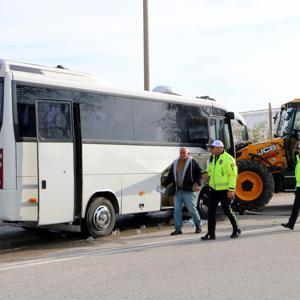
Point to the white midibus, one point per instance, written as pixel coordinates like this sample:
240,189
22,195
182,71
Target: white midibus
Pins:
73,150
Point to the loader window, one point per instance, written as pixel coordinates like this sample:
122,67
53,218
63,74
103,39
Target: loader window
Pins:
280,123
297,121
285,124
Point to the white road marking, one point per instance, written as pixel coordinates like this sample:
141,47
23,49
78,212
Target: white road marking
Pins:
99,252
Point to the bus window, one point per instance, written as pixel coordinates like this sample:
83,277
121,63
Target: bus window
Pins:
54,120
239,131
106,118
198,132
154,122
1,100
217,129
193,122
26,97
169,123
26,112
227,140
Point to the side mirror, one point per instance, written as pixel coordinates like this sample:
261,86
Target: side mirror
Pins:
229,115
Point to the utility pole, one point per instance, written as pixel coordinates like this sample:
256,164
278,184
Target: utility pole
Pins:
146,46
270,121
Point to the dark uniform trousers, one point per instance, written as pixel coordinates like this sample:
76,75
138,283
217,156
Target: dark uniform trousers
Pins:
295,209
214,198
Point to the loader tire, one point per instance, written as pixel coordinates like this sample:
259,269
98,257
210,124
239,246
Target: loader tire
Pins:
255,185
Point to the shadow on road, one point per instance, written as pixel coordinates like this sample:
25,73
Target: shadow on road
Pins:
15,239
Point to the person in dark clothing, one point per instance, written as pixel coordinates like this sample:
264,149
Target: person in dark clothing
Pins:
185,176
295,210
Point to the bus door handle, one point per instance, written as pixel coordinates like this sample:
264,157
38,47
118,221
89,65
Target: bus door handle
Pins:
44,184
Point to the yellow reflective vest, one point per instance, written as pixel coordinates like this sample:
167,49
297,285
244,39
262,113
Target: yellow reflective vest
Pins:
222,172
297,171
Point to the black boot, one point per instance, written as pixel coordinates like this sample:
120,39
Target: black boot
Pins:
198,229
208,237
176,232
236,233
287,225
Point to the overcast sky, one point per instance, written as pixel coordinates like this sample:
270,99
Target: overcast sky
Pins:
244,53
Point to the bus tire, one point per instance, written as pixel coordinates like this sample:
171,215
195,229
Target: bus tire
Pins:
202,204
255,185
100,218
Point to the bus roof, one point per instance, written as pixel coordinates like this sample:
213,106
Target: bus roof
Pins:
22,69
64,78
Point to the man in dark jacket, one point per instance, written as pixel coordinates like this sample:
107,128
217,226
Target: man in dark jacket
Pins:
185,176
296,206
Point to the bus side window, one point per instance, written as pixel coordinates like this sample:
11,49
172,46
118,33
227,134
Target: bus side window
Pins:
54,120
106,118
198,132
26,120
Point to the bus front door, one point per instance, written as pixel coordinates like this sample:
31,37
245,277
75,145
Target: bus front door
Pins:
55,162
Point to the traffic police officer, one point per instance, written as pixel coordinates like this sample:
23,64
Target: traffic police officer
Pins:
222,175
295,210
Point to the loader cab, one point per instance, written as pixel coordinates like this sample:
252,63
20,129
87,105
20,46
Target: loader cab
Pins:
289,128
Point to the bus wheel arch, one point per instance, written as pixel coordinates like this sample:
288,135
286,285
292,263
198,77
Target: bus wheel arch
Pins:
100,215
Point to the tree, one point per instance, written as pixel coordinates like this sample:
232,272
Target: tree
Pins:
259,132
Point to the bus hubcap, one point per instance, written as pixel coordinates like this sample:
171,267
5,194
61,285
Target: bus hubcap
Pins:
102,217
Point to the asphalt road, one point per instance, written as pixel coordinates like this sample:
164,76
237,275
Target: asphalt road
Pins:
147,263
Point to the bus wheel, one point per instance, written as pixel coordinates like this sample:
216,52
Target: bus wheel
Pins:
100,218
202,204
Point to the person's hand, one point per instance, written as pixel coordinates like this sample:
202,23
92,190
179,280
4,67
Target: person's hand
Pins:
196,187
161,189
205,176
230,194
